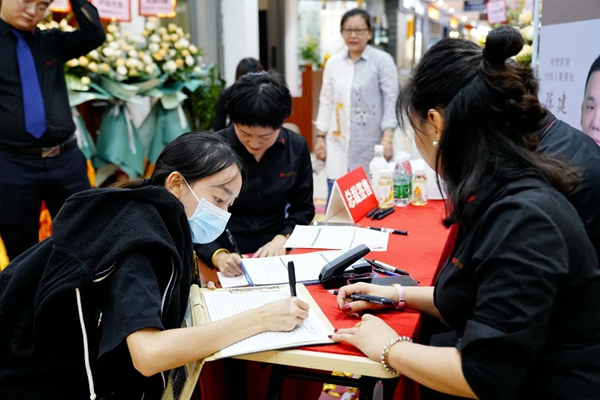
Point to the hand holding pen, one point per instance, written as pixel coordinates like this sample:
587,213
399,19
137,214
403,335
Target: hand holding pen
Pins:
347,304
231,264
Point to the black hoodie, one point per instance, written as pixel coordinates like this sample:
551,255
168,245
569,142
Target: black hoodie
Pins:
93,230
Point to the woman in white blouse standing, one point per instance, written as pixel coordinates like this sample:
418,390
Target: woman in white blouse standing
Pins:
356,104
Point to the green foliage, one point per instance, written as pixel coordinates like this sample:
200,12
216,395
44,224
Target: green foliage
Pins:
309,51
201,104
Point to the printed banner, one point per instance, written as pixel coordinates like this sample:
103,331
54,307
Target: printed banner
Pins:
158,8
114,10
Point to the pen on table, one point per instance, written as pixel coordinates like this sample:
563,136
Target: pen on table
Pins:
368,298
237,250
385,213
385,272
292,278
387,267
373,211
389,230
378,211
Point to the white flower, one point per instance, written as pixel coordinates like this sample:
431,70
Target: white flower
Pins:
150,26
172,53
63,23
131,62
162,30
189,61
153,47
178,45
525,17
114,45
122,70
73,62
93,67
110,38
150,69
148,59
527,49
197,70
185,43
170,66
132,54
112,28
94,55
174,37
527,33
155,38
171,27
86,80
193,49
108,52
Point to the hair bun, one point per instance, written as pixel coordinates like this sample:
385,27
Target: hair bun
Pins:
502,43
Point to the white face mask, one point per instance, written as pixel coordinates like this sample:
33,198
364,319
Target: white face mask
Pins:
208,221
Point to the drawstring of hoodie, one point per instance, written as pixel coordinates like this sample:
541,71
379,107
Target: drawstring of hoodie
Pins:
86,352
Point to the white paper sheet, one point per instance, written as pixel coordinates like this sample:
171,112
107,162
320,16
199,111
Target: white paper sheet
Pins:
336,237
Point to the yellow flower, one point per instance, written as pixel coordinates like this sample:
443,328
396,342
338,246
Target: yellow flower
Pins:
179,62
193,49
525,17
73,62
158,56
104,67
164,45
185,52
83,61
162,30
93,67
165,38
132,72
172,27
174,37
119,62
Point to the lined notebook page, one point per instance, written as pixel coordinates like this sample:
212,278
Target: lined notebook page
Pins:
225,303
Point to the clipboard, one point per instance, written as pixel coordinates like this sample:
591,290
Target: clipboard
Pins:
182,381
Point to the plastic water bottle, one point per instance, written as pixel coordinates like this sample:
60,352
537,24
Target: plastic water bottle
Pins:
377,165
419,197
401,183
385,189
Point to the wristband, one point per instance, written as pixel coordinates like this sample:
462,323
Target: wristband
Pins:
221,250
386,352
401,297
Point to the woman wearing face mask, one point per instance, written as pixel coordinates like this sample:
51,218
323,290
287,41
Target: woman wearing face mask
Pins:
94,311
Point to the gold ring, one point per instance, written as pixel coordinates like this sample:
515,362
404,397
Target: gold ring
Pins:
358,325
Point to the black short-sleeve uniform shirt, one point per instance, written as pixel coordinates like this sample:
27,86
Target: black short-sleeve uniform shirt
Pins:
522,290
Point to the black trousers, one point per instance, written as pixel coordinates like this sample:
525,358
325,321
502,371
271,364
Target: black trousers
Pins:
26,180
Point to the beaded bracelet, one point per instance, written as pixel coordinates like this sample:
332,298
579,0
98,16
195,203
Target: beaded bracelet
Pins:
386,351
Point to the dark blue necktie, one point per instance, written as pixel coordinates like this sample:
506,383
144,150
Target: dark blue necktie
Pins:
33,103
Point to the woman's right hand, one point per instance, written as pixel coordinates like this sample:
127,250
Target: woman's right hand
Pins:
283,315
228,263
320,149
346,304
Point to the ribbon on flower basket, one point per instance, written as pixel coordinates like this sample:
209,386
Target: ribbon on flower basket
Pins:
118,142
166,120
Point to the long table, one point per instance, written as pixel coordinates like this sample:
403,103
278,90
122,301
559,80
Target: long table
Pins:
418,253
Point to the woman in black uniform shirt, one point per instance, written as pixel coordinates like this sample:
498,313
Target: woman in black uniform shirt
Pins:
96,309
522,286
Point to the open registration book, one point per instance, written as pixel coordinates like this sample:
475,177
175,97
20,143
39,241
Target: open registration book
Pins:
212,305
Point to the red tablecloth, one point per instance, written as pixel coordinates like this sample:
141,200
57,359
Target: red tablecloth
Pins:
418,253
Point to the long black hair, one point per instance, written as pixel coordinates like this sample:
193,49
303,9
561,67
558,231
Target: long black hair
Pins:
491,111
247,65
195,155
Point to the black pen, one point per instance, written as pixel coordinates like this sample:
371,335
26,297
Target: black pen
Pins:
380,210
387,267
385,213
368,298
385,272
373,211
292,278
389,230
239,253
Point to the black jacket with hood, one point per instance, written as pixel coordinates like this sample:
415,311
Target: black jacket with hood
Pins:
94,230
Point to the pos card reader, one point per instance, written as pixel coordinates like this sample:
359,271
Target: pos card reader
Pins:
332,275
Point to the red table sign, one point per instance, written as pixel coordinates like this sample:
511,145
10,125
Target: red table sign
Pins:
351,199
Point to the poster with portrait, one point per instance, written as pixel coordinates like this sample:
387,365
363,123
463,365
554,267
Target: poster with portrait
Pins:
114,10
565,58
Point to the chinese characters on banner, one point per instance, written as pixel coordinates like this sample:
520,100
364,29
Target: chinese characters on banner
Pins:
352,198
564,62
496,12
62,6
157,8
117,10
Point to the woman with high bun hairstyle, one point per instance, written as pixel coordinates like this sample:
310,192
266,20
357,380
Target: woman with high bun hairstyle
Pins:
521,287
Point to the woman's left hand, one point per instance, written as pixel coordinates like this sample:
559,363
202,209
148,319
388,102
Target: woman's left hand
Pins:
370,336
272,248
